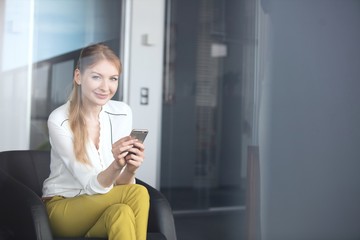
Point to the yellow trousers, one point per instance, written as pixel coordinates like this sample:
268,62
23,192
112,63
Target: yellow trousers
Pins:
120,214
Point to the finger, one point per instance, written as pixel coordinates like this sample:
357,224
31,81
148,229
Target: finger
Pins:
133,157
122,155
134,163
133,150
139,145
123,143
125,149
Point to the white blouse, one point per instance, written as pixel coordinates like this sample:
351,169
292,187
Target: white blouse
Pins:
68,177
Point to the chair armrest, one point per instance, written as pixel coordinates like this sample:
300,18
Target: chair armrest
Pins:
22,212
161,218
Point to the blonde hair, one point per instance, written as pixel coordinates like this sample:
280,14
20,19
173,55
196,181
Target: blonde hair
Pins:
89,56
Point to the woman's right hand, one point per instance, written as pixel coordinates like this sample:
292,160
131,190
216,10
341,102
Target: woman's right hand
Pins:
120,149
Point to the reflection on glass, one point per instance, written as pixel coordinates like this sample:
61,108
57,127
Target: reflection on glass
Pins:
208,103
61,29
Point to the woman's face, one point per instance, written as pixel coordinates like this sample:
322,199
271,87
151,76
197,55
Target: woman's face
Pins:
98,83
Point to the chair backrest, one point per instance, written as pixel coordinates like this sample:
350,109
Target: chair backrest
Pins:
30,167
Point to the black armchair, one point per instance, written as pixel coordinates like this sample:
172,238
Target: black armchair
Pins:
23,214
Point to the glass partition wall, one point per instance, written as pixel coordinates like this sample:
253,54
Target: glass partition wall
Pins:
61,29
209,113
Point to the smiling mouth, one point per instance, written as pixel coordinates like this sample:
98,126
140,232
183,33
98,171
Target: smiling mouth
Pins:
102,96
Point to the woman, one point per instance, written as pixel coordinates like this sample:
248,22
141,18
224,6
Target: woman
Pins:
90,191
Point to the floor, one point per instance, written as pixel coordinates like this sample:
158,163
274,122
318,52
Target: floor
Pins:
208,214
218,225
184,199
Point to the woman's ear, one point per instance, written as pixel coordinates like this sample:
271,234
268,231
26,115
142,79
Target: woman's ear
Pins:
77,76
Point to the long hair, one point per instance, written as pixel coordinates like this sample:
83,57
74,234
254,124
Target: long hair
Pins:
89,56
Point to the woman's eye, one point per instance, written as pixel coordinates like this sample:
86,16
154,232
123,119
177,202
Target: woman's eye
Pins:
114,79
95,77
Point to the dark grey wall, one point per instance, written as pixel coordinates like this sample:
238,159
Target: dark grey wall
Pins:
310,121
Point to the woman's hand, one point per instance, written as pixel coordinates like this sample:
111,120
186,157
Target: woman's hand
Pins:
120,149
135,157
127,152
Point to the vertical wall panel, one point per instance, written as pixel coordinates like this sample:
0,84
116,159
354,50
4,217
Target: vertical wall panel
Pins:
310,152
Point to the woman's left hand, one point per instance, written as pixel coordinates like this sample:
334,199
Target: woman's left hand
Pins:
135,157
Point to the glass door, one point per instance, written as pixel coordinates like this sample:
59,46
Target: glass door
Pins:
208,103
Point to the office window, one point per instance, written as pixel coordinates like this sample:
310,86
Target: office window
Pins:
61,29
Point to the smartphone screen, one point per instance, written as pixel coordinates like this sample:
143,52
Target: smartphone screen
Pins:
139,134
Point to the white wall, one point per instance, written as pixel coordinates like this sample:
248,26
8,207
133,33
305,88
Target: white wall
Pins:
145,70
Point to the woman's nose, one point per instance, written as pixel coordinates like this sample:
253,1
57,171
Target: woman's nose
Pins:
104,85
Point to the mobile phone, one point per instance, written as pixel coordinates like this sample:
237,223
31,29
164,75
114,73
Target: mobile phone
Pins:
139,134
